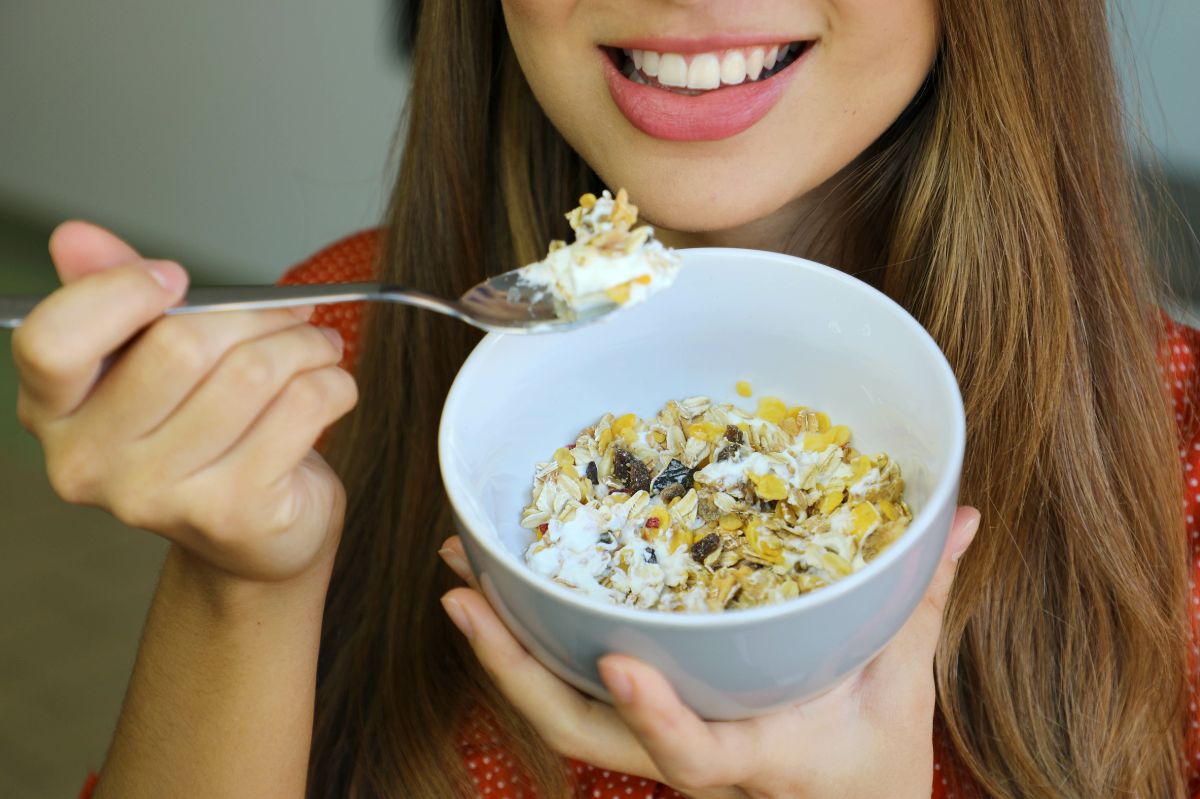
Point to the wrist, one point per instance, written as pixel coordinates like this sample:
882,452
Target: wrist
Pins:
229,597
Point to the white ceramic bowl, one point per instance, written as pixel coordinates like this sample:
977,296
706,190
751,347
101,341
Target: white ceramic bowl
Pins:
795,329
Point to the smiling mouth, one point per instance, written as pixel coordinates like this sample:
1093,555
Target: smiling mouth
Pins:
699,73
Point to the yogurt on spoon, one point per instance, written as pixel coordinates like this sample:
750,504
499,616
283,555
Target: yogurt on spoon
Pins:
610,261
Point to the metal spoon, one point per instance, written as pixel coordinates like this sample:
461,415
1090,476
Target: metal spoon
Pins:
501,304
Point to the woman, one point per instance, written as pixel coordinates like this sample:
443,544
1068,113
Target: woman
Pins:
967,158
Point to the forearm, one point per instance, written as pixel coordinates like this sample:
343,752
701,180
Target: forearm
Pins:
220,703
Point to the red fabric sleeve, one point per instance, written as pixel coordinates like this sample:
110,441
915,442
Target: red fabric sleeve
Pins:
351,260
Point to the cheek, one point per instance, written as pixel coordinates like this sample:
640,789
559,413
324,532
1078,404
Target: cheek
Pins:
884,48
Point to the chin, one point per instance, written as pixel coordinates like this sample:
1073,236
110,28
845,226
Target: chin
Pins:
697,198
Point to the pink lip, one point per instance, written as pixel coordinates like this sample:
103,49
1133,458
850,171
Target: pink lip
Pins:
711,116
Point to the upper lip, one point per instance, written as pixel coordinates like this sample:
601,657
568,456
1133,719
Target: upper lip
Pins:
704,44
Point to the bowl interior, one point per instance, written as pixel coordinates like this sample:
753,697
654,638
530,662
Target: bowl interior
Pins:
794,329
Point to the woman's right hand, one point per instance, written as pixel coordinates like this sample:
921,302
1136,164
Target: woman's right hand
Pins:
197,427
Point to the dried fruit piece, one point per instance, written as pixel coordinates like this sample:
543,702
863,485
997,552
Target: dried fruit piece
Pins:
705,547
591,473
733,433
729,453
651,556
630,471
674,474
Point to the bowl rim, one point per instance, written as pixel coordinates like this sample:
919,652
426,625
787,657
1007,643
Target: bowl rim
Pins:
946,486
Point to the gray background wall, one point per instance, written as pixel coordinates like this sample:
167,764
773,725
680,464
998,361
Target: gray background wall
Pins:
238,134
1161,49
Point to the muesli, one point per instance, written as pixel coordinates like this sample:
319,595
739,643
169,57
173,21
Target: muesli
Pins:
612,259
706,506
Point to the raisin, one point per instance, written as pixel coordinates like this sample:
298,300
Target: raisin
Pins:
734,433
705,547
632,473
728,452
606,538
651,555
671,492
675,474
592,474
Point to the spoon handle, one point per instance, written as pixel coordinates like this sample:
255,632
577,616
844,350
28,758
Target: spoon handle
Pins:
14,309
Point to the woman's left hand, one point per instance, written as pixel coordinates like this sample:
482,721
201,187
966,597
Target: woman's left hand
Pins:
870,736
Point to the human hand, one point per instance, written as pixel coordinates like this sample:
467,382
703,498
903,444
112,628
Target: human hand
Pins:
196,427
870,736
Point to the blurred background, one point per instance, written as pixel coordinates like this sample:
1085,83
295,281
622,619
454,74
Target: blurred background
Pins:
238,136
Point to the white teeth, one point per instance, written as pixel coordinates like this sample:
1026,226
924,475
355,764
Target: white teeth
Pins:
672,70
733,68
704,72
754,63
772,54
650,63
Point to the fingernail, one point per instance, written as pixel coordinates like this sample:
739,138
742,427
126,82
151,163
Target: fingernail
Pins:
455,561
618,684
459,616
335,338
169,275
968,535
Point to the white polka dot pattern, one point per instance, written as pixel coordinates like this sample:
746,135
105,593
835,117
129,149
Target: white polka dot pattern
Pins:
493,770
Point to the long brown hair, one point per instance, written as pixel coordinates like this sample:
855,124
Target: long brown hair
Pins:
1001,211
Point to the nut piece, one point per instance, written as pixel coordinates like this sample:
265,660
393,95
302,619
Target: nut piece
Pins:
672,491
630,471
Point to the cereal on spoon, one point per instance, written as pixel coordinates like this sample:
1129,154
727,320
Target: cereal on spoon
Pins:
706,506
612,259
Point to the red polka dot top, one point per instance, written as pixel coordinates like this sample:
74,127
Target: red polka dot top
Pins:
492,768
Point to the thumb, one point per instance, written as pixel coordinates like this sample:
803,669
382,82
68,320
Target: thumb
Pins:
962,532
79,249
910,653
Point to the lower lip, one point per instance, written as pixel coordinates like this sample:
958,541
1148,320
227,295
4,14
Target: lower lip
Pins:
711,116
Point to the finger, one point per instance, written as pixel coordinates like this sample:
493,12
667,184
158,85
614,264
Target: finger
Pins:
962,532
193,409
282,436
911,651
575,726
155,376
689,752
81,248
61,345
455,557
